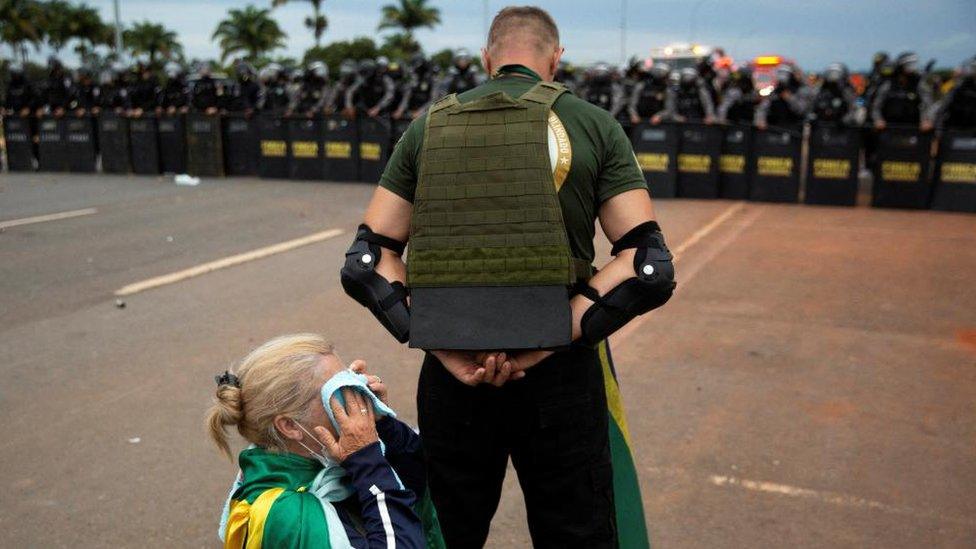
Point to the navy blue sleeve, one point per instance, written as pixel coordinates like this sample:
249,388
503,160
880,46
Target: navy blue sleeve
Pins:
404,453
386,508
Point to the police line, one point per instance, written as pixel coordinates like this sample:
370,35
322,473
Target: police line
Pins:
330,148
690,160
695,160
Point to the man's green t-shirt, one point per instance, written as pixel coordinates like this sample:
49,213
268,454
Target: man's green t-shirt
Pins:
593,159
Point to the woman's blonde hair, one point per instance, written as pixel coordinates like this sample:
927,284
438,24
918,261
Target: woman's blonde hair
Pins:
277,378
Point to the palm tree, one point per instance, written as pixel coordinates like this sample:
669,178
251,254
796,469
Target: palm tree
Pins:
251,30
152,39
317,22
409,15
69,22
22,22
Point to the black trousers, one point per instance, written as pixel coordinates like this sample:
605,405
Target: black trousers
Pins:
554,426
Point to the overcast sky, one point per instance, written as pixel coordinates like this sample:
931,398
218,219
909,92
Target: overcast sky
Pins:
813,32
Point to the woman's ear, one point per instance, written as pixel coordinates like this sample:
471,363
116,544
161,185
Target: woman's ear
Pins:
287,427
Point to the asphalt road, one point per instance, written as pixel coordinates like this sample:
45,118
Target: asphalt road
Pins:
812,383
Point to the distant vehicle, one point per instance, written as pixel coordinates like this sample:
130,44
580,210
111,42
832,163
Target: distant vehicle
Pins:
680,55
764,72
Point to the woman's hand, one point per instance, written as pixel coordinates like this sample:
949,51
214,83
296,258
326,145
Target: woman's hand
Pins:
374,383
357,426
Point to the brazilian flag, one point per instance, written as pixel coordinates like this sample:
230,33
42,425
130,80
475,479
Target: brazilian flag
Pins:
631,528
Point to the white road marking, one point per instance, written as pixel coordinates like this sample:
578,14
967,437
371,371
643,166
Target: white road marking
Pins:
231,261
686,276
833,498
47,217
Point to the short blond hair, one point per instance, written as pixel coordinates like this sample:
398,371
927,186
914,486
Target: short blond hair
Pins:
524,23
277,378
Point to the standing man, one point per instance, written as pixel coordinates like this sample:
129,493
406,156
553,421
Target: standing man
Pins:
690,99
498,190
905,99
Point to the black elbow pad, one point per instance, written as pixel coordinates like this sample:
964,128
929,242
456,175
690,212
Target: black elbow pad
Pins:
387,302
652,286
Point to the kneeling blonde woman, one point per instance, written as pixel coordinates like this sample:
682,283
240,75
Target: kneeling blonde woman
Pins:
329,465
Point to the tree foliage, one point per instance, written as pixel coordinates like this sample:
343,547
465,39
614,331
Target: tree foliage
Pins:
251,31
334,53
317,23
152,40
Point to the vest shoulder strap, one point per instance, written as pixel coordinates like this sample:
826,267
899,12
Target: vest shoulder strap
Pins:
445,102
544,93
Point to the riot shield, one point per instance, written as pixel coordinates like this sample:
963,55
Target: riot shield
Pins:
241,151
19,143
305,143
273,139
955,188
79,135
204,152
113,142
145,145
901,172
51,151
832,167
341,149
656,147
374,148
172,143
776,161
699,148
734,166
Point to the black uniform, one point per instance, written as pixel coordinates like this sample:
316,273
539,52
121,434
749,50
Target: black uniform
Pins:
20,94
371,90
739,100
834,102
275,97
204,94
690,101
143,94
905,99
958,108
785,106
174,94
57,91
648,97
84,95
459,80
313,95
418,90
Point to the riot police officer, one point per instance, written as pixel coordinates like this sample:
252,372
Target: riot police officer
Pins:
112,91
957,109
83,93
600,89
56,94
628,77
787,104
242,94
173,96
834,99
314,92
690,99
462,76
906,98
739,98
143,92
204,95
418,90
348,76
372,93
647,101
274,96
20,97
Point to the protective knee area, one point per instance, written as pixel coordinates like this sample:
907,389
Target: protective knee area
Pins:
387,302
652,286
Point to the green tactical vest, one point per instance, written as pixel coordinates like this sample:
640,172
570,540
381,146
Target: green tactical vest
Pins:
485,212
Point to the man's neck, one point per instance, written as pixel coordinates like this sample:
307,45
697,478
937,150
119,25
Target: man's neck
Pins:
526,61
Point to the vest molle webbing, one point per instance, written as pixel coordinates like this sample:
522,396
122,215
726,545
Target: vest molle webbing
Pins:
485,211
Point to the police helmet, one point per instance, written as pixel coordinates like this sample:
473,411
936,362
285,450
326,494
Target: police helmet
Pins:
784,74
348,67
243,69
462,58
367,68
688,76
106,77
660,70
382,62
879,58
600,70
203,69
173,70
319,70
270,72
906,63
835,73
418,61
